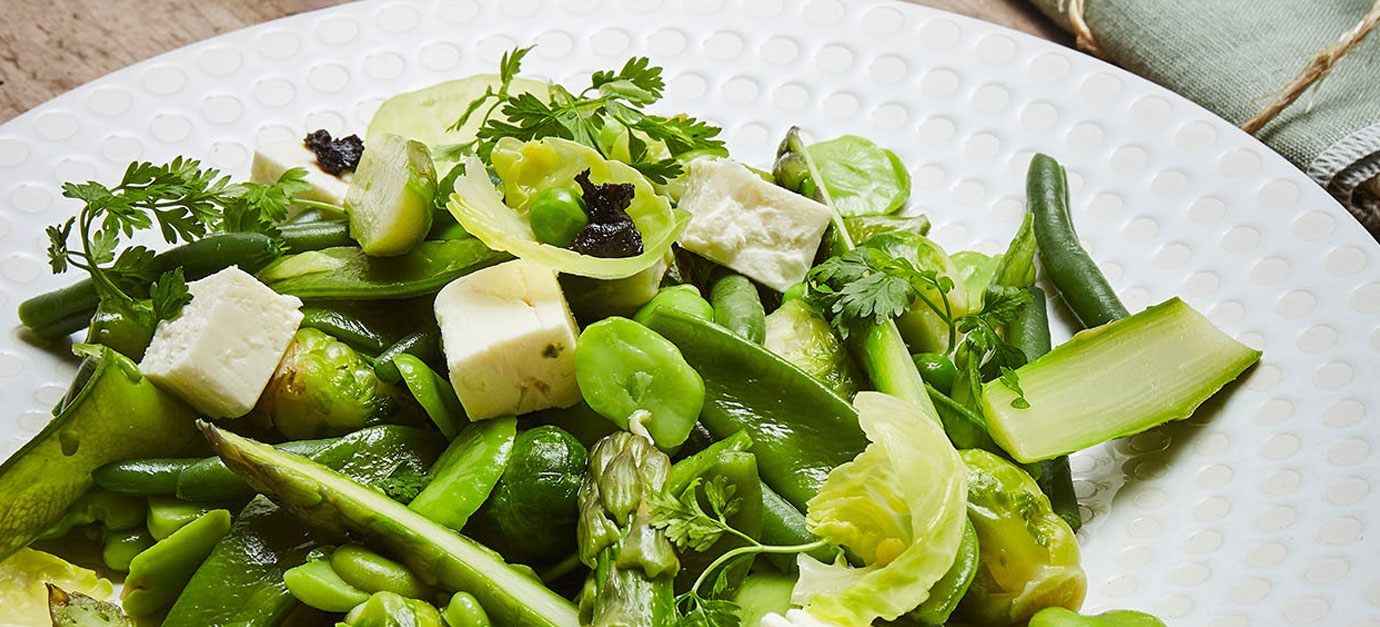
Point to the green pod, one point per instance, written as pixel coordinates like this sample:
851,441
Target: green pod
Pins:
684,297
209,480
314,235
62,312
531,514
625,369
1028,556
322,387
433,392
1064,617
111,413
466,473
948,592
157,575
738,308
344,327
386,609
784,525
142,477
425,345
113,511
347,273
317,585
118,548
800,430
701,463
373,573
464,610
115,326
167,514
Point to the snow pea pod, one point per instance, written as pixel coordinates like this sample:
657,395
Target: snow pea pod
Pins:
467,472
738,308
433,392
157,575
373,573
345,272
799,428
464,610
737,469
317,585
111,413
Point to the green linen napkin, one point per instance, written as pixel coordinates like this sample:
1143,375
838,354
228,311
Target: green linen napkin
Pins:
1233,56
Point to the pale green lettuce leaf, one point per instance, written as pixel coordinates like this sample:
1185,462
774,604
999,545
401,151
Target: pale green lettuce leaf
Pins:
527,168
899,506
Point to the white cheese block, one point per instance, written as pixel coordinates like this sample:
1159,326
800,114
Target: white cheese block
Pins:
219,353
271,161
509,340
749,225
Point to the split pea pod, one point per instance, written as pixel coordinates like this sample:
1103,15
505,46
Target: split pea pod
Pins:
1078,278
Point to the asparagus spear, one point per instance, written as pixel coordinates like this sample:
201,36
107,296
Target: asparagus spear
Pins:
334,504
634,564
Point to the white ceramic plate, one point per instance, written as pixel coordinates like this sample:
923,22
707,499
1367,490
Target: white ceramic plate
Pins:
1263,509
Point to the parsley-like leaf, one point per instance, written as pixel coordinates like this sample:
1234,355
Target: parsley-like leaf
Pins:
169,295
684,522
1011,381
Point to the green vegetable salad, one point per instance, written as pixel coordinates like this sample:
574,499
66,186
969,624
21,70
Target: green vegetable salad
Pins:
532,355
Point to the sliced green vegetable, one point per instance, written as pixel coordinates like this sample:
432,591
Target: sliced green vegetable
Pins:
347,273
111,413
390,197
157,575
433,392
317,585
738,308
626,370
1028,558
74,609
531,514
527,169
426,114
898,506
466,473
1063,617
862,177
445,559
799,335
763,593
1116,380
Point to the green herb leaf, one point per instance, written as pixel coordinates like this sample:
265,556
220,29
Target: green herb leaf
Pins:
1012,381
684,521
169,295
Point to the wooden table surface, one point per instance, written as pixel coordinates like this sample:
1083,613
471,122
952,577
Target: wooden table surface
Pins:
50,46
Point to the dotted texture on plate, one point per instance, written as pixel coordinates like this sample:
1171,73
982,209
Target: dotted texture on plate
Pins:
1260,510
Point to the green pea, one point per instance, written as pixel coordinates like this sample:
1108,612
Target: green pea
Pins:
937,370
317,585
118,548
624,368
158,574
167,514
557,216
683,297
465,611
1061,617
371,572
386,609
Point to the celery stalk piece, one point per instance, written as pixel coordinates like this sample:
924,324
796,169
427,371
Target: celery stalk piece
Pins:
1115,380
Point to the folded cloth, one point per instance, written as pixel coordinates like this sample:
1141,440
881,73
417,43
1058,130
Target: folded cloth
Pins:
1233,56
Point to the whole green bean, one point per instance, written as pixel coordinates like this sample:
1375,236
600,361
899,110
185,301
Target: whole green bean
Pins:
209,480
464,610
158,574
142,477
63,312
344,327
371,572
314,235
1078,278
424,344
738,308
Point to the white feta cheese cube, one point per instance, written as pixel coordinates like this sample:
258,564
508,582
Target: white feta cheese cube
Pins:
749,225
219,353
509,340
271,161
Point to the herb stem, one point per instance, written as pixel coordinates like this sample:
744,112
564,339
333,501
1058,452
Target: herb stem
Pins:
753,549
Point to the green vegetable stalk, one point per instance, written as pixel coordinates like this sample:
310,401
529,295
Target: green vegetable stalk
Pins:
634,564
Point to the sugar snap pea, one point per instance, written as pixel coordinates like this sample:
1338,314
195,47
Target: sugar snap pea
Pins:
158,574
466,473
738,308
433,392
1078,278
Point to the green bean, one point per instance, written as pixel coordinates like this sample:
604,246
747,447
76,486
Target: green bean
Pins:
65,311
372,573
314,235
344,327
738,308
118,548
157,575
209,480
424,344
464,610
1078,278
1030,332
142,477
317,585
